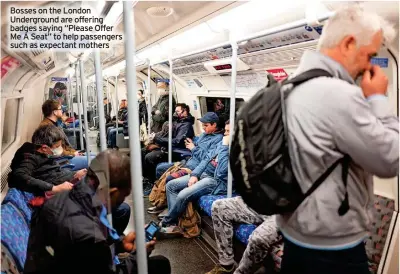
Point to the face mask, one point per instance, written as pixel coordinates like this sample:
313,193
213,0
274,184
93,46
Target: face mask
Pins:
225,140
58,151
162,91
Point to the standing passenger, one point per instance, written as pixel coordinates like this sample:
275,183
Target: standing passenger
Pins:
160,110
328,118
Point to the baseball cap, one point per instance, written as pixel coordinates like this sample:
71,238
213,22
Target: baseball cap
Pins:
209,117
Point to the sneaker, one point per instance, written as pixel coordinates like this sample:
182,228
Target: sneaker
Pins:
154,210
171,230
163,214
218,269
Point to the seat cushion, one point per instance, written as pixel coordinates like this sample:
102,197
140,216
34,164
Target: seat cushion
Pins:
14,233
205,202
20,200
243,232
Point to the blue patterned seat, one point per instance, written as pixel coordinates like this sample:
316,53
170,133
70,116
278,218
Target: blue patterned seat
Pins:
14,233
20,200
205,202
243,232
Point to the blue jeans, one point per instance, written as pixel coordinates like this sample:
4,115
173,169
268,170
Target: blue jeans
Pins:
179,195
112,136
161,169
80,162
120,217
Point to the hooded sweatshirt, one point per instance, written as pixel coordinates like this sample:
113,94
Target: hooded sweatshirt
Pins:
181,128
328,118
35,172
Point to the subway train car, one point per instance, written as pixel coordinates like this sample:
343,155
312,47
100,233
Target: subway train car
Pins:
212,56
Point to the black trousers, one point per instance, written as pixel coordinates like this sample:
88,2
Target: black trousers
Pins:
150,160
300,260
155,265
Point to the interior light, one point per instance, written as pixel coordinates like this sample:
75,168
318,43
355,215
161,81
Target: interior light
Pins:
114,14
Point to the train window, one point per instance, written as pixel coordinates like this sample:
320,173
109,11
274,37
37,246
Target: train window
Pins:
10,123
219,105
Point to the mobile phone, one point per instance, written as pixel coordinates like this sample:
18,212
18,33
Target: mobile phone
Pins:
151,231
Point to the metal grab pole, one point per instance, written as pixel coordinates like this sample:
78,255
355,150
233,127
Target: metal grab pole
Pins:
116,100
149,98
170,114
78,98
84,97
100,108
72,106
134,143
232,110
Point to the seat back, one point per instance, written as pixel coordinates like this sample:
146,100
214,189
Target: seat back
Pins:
20,200
121,142
14,234
383,212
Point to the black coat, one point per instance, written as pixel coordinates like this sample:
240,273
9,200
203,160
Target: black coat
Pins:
181,129
69,224
35,172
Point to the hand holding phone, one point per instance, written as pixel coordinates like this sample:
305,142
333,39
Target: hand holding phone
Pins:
151,231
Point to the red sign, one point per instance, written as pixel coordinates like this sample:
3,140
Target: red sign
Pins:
279,74
8,64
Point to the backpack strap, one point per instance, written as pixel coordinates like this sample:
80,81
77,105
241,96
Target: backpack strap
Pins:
305,76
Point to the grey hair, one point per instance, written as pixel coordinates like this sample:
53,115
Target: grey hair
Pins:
354,20
47,135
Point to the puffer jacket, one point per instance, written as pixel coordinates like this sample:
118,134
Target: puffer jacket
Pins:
35,172
181,129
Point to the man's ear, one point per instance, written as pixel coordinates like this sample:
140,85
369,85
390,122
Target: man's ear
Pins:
348,43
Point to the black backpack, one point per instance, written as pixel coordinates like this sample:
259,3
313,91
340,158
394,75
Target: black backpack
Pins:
259,156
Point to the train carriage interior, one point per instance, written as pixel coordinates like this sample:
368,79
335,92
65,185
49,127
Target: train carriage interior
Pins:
213,56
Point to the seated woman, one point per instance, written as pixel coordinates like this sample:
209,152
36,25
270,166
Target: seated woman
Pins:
52,111
34,167
210,176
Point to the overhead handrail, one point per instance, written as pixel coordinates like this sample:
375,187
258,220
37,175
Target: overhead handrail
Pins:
72,106
84,97
134,143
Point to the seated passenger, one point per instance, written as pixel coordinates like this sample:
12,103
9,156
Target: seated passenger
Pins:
122,118
199,148
52,111
81,239
210,176
34,167
143,115
182,127
231,211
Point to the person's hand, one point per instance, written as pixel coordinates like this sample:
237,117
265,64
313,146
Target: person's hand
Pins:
158,112
80,174
152,147
192,180
376,83
66,186
151,245
128,242
120,122
189,144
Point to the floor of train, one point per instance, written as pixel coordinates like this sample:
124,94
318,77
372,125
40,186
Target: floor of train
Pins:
186,255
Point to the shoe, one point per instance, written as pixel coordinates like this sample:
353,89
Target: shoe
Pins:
163,214
218,269
154,210
147,187
171,230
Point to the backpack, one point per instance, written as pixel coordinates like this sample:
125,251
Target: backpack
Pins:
259,156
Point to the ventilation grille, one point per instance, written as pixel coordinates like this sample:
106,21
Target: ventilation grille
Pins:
4,177
277,58
190,70
50,66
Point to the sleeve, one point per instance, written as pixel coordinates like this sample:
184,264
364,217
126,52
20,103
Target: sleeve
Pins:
23,176
199,153
203,164
223,162
178,139
369,134
68,151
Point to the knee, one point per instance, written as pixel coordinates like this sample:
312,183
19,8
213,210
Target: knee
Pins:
215,208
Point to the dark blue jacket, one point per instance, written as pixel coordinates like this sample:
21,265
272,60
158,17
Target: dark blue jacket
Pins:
220,172
204,144
181,129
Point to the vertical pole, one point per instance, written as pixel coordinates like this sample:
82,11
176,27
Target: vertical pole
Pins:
134,143
84,96
116,102
149,98
170,114
100,108
232,110
78,98
72,106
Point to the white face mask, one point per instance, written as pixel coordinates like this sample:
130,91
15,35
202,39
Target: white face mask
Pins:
162,91
225,140
58,151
